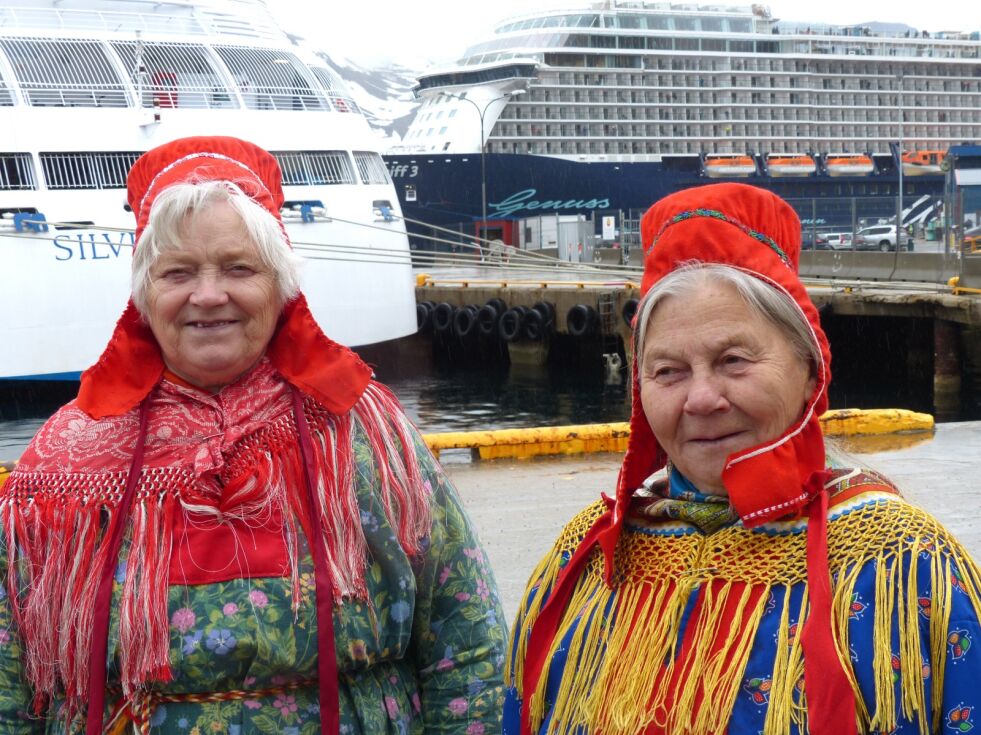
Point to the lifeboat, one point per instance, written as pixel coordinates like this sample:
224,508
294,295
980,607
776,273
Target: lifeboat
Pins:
918,163
849,164
718,165
787,164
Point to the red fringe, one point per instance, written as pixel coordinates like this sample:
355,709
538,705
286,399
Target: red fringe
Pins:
54,525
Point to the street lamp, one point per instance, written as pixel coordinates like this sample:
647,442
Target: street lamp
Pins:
481,111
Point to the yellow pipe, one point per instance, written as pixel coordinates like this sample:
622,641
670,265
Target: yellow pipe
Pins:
588,438
424,280
523,443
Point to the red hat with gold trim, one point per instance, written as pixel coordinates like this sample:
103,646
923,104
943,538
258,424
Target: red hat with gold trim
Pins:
754,230
132,363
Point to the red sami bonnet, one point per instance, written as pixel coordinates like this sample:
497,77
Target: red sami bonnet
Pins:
132,364
755,231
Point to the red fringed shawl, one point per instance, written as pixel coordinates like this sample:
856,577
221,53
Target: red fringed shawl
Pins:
232,458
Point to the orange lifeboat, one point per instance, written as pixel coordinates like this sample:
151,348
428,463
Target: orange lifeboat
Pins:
790,164
719,165
849,164
918,163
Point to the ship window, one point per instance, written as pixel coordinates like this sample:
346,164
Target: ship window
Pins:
64,73
684,23
271,80
307,168
16,171
6,98
174,75
87,170
371,168
339,98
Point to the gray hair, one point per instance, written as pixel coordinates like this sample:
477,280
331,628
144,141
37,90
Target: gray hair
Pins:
168,216
767,301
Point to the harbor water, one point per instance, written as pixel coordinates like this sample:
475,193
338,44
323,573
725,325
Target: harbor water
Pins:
436,399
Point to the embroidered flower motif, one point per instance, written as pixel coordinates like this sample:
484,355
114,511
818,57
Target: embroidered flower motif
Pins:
482,590
220,641
230,609
896,666
358,650
476,554
957,581
758,689
183,619
192,642
258,598
458,706
444,575
392,707
857,608
960,644
475,728
286,704
959,718
159,715
401,611
924,606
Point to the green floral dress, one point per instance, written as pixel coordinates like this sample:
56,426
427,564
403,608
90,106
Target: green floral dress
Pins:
424,657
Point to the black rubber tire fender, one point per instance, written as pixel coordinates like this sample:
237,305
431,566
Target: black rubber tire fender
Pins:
424,316
511,324
487,318
465,320
580,320
630,311
443,317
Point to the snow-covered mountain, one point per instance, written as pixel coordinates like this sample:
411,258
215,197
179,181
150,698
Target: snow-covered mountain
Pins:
384,94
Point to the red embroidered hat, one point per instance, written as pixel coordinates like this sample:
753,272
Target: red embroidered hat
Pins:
132,363
757,232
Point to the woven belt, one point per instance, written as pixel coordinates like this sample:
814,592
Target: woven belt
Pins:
137,709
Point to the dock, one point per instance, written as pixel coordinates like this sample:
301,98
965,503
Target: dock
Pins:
917,313
519,505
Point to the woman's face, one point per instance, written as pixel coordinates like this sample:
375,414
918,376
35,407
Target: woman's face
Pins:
717,378
212,303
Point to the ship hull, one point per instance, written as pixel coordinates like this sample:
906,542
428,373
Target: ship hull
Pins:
445,190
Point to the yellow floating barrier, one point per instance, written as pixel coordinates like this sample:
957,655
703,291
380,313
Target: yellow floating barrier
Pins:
525,443
851,423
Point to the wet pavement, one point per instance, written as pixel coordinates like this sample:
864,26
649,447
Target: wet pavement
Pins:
519,506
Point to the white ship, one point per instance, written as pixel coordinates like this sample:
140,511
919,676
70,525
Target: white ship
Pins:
637,81
596,111
87,86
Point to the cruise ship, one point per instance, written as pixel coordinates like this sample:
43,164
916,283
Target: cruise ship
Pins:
87,86
603,109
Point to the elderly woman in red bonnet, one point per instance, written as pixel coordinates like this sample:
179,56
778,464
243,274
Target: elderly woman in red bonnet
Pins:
735,583
234,528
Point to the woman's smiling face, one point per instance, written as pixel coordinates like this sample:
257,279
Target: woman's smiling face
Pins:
212,302
717,378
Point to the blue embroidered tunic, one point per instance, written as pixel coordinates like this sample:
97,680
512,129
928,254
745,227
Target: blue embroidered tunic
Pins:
701,632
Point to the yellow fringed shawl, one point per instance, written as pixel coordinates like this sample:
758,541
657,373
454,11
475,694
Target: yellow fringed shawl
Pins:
628,672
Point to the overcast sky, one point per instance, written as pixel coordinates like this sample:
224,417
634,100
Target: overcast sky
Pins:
415,31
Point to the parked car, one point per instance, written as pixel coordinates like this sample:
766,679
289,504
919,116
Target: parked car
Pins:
880,237
838,240
814,241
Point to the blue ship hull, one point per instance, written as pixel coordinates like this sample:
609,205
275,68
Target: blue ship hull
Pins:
445,189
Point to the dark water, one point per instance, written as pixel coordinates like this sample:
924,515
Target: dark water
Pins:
437,400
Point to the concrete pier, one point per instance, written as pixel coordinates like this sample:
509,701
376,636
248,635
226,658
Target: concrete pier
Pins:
519,506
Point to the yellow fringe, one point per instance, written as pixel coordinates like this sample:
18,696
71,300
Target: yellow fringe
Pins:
624,667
